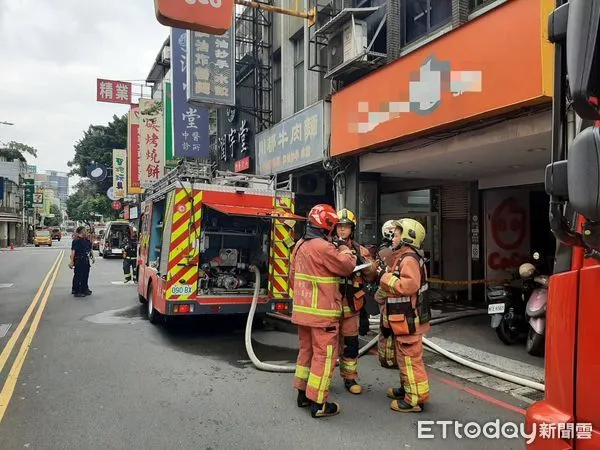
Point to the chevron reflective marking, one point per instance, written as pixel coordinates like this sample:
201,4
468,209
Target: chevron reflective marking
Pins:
183,251
279,255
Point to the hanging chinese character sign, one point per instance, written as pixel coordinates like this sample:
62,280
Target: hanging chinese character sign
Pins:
293,143
110,91
133,151
168,118
211,68
119,171
190,122
208,16
152,148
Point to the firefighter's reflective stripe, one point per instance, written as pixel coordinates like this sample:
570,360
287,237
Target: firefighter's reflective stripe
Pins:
183,253
322,384
282,236
302,372
398,299
312,309
415,390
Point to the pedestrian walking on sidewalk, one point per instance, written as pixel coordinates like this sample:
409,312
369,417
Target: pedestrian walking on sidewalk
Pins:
80,263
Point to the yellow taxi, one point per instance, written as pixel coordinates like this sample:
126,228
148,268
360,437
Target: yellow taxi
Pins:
42,237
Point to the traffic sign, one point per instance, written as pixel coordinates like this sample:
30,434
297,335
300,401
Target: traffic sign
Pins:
116,205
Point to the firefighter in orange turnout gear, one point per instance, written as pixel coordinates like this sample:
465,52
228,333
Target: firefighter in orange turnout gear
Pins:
386,346
315,270
407,314
353,300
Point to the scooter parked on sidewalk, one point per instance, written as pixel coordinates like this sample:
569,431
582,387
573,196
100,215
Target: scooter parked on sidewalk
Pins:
507,309
536,307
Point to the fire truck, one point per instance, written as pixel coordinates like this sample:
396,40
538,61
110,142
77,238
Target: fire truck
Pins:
203,235
569,415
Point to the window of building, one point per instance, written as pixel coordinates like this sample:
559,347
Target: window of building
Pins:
298,74
476,4
421,17
276,88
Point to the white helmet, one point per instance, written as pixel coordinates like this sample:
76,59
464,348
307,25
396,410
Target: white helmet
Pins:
388,228
526,270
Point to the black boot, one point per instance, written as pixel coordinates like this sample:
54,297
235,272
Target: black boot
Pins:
324,410
302,400
398,394
352,386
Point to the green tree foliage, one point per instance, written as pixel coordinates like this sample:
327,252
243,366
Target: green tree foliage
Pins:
15,150
56,220
97,146
86,202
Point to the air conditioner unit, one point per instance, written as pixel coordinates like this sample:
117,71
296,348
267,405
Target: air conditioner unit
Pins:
311,184
349,43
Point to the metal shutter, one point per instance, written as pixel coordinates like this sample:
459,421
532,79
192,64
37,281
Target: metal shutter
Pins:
455,201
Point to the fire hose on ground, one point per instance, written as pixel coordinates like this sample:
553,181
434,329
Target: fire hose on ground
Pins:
260,365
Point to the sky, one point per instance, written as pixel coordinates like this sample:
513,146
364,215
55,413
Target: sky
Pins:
51,54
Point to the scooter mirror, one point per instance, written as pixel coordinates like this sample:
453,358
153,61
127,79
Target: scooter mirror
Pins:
536,256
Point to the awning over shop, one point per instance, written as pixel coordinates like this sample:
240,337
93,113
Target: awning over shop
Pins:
252,211
9,218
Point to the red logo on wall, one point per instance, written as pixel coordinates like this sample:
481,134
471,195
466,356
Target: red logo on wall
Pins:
508,224
242,164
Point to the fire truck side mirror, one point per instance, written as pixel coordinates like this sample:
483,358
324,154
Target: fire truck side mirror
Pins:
584,173
583,57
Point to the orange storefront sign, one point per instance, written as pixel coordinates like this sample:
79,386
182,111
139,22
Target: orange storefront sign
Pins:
499,62
207,16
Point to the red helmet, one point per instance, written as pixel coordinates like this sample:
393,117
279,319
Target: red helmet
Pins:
323,216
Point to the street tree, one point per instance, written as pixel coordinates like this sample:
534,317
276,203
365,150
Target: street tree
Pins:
97,146
56,220
86,203
16,150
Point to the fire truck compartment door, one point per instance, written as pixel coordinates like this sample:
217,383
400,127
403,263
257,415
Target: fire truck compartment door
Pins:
252,211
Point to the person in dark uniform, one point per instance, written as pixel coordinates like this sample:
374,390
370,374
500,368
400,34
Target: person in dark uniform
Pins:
130,257
80,262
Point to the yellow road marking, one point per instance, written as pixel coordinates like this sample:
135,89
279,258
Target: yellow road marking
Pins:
15,336
15,370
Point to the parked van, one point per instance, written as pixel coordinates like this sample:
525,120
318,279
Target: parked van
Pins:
113,240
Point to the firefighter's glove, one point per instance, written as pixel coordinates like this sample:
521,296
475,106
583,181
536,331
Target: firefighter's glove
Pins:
364,326
381,270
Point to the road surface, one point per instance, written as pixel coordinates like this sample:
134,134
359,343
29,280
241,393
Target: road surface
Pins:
93,373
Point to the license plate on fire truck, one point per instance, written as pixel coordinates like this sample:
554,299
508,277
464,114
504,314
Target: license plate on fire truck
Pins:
181,290
496,308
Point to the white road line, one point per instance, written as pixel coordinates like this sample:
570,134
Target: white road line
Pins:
4,327
6,285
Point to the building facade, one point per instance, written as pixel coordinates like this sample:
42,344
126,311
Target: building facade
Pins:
455,128
11,201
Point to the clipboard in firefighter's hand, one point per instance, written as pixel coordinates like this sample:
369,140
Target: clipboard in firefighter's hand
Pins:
361,267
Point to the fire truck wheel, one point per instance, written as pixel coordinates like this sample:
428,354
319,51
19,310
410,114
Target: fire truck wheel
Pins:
153,314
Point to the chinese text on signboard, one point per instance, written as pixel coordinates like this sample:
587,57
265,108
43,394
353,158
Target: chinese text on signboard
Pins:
293,143
119,167
151,142
110,91
133,151
236,138
211,68
190,122
29,190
